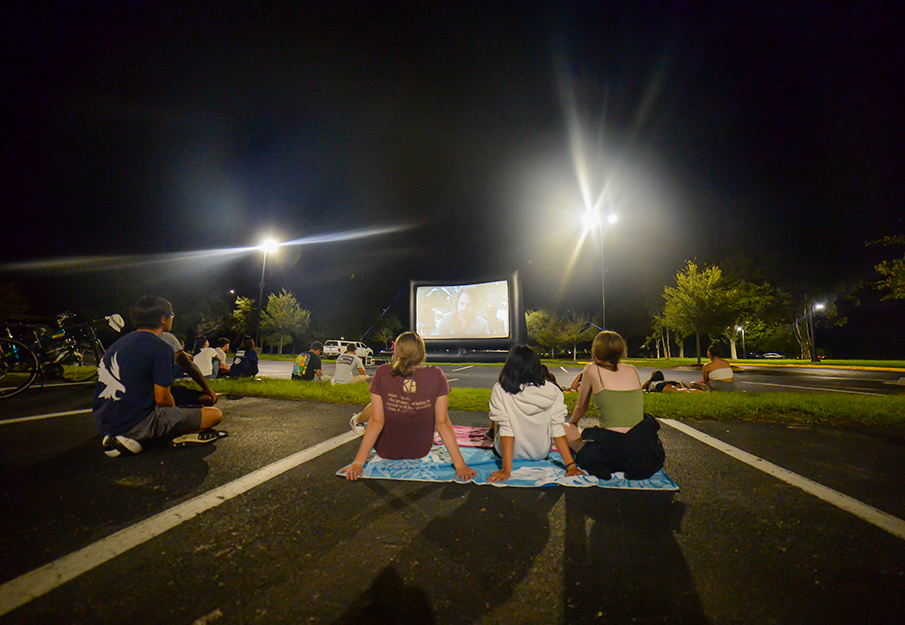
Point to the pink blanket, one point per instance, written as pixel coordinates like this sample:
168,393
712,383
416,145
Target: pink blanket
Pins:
468,436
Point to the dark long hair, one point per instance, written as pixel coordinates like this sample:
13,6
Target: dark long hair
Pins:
522,367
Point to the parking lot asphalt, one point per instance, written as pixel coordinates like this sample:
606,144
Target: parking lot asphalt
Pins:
256,528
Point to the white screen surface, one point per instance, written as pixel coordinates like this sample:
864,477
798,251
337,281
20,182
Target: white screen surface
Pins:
470,311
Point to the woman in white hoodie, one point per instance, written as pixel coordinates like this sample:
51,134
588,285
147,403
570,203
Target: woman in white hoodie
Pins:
528,412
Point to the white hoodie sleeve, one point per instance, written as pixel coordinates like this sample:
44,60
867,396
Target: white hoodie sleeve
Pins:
558,414
498,412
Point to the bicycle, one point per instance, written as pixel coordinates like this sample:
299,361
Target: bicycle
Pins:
29,350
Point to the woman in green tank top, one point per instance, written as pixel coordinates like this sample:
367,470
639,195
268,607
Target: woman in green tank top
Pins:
626,440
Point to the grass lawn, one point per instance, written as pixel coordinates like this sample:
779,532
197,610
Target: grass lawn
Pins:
824,408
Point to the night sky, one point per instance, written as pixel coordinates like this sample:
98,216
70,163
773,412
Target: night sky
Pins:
448,140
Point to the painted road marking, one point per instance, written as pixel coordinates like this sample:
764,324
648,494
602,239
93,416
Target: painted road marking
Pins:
45,416
42,580
463,368
884,521
812,388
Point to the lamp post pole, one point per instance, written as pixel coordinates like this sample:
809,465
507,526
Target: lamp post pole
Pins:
611,219
602,278
744,351
260,301
811,309
268,246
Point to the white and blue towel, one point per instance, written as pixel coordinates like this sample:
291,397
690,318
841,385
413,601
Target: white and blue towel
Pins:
437,467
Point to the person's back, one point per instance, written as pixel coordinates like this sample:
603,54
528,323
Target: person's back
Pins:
533,416
245,362
409,403
306,366
204,360
718,374
133,401
347,366
617,396
127,373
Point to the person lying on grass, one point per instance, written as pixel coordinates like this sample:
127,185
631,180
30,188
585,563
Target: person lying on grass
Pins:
528,412
659,384
409,401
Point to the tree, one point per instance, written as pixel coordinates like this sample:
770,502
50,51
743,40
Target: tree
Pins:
695,304
284,319
576,329
387,331
244,316
893,272
544,329
705,302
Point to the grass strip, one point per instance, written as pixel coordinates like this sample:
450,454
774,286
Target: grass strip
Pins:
809,408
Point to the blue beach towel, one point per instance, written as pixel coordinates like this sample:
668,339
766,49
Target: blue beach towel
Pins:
437,467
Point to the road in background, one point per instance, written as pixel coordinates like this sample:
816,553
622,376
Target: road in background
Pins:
750,378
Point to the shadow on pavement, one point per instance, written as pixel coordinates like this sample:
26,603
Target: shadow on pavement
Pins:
623,564
468,562
389,601
68,501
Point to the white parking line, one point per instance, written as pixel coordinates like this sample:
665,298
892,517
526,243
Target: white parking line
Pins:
463,368
44,416
811,388
884,521
42,580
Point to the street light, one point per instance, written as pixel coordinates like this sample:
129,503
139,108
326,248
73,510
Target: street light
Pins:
811,309
591,219
744,351
269,245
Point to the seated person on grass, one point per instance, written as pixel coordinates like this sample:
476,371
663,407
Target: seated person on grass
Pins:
133,405
221,367
245,362
308,365
206,359
718,374
349,369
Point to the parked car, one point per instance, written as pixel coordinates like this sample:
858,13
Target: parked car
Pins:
334,348
773,355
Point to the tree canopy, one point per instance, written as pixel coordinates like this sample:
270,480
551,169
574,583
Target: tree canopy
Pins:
284,319
893,271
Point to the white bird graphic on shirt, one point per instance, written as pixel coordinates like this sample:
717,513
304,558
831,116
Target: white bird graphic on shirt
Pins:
110,380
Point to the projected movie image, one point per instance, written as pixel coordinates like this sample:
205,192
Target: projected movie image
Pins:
473,311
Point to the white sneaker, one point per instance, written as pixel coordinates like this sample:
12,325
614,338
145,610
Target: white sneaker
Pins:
115,446
358,428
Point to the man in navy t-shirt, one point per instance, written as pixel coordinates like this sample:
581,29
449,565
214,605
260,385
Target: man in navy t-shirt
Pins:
133,405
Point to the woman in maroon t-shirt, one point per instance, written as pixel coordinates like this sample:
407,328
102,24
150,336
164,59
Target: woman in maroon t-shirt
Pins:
408,403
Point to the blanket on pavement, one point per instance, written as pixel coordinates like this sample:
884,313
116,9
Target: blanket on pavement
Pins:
437,467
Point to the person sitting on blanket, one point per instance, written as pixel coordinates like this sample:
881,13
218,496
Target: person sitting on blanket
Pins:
626,440
527,411
409,402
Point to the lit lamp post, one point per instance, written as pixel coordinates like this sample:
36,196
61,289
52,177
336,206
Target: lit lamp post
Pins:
744,351
811,309
591,219
267,246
